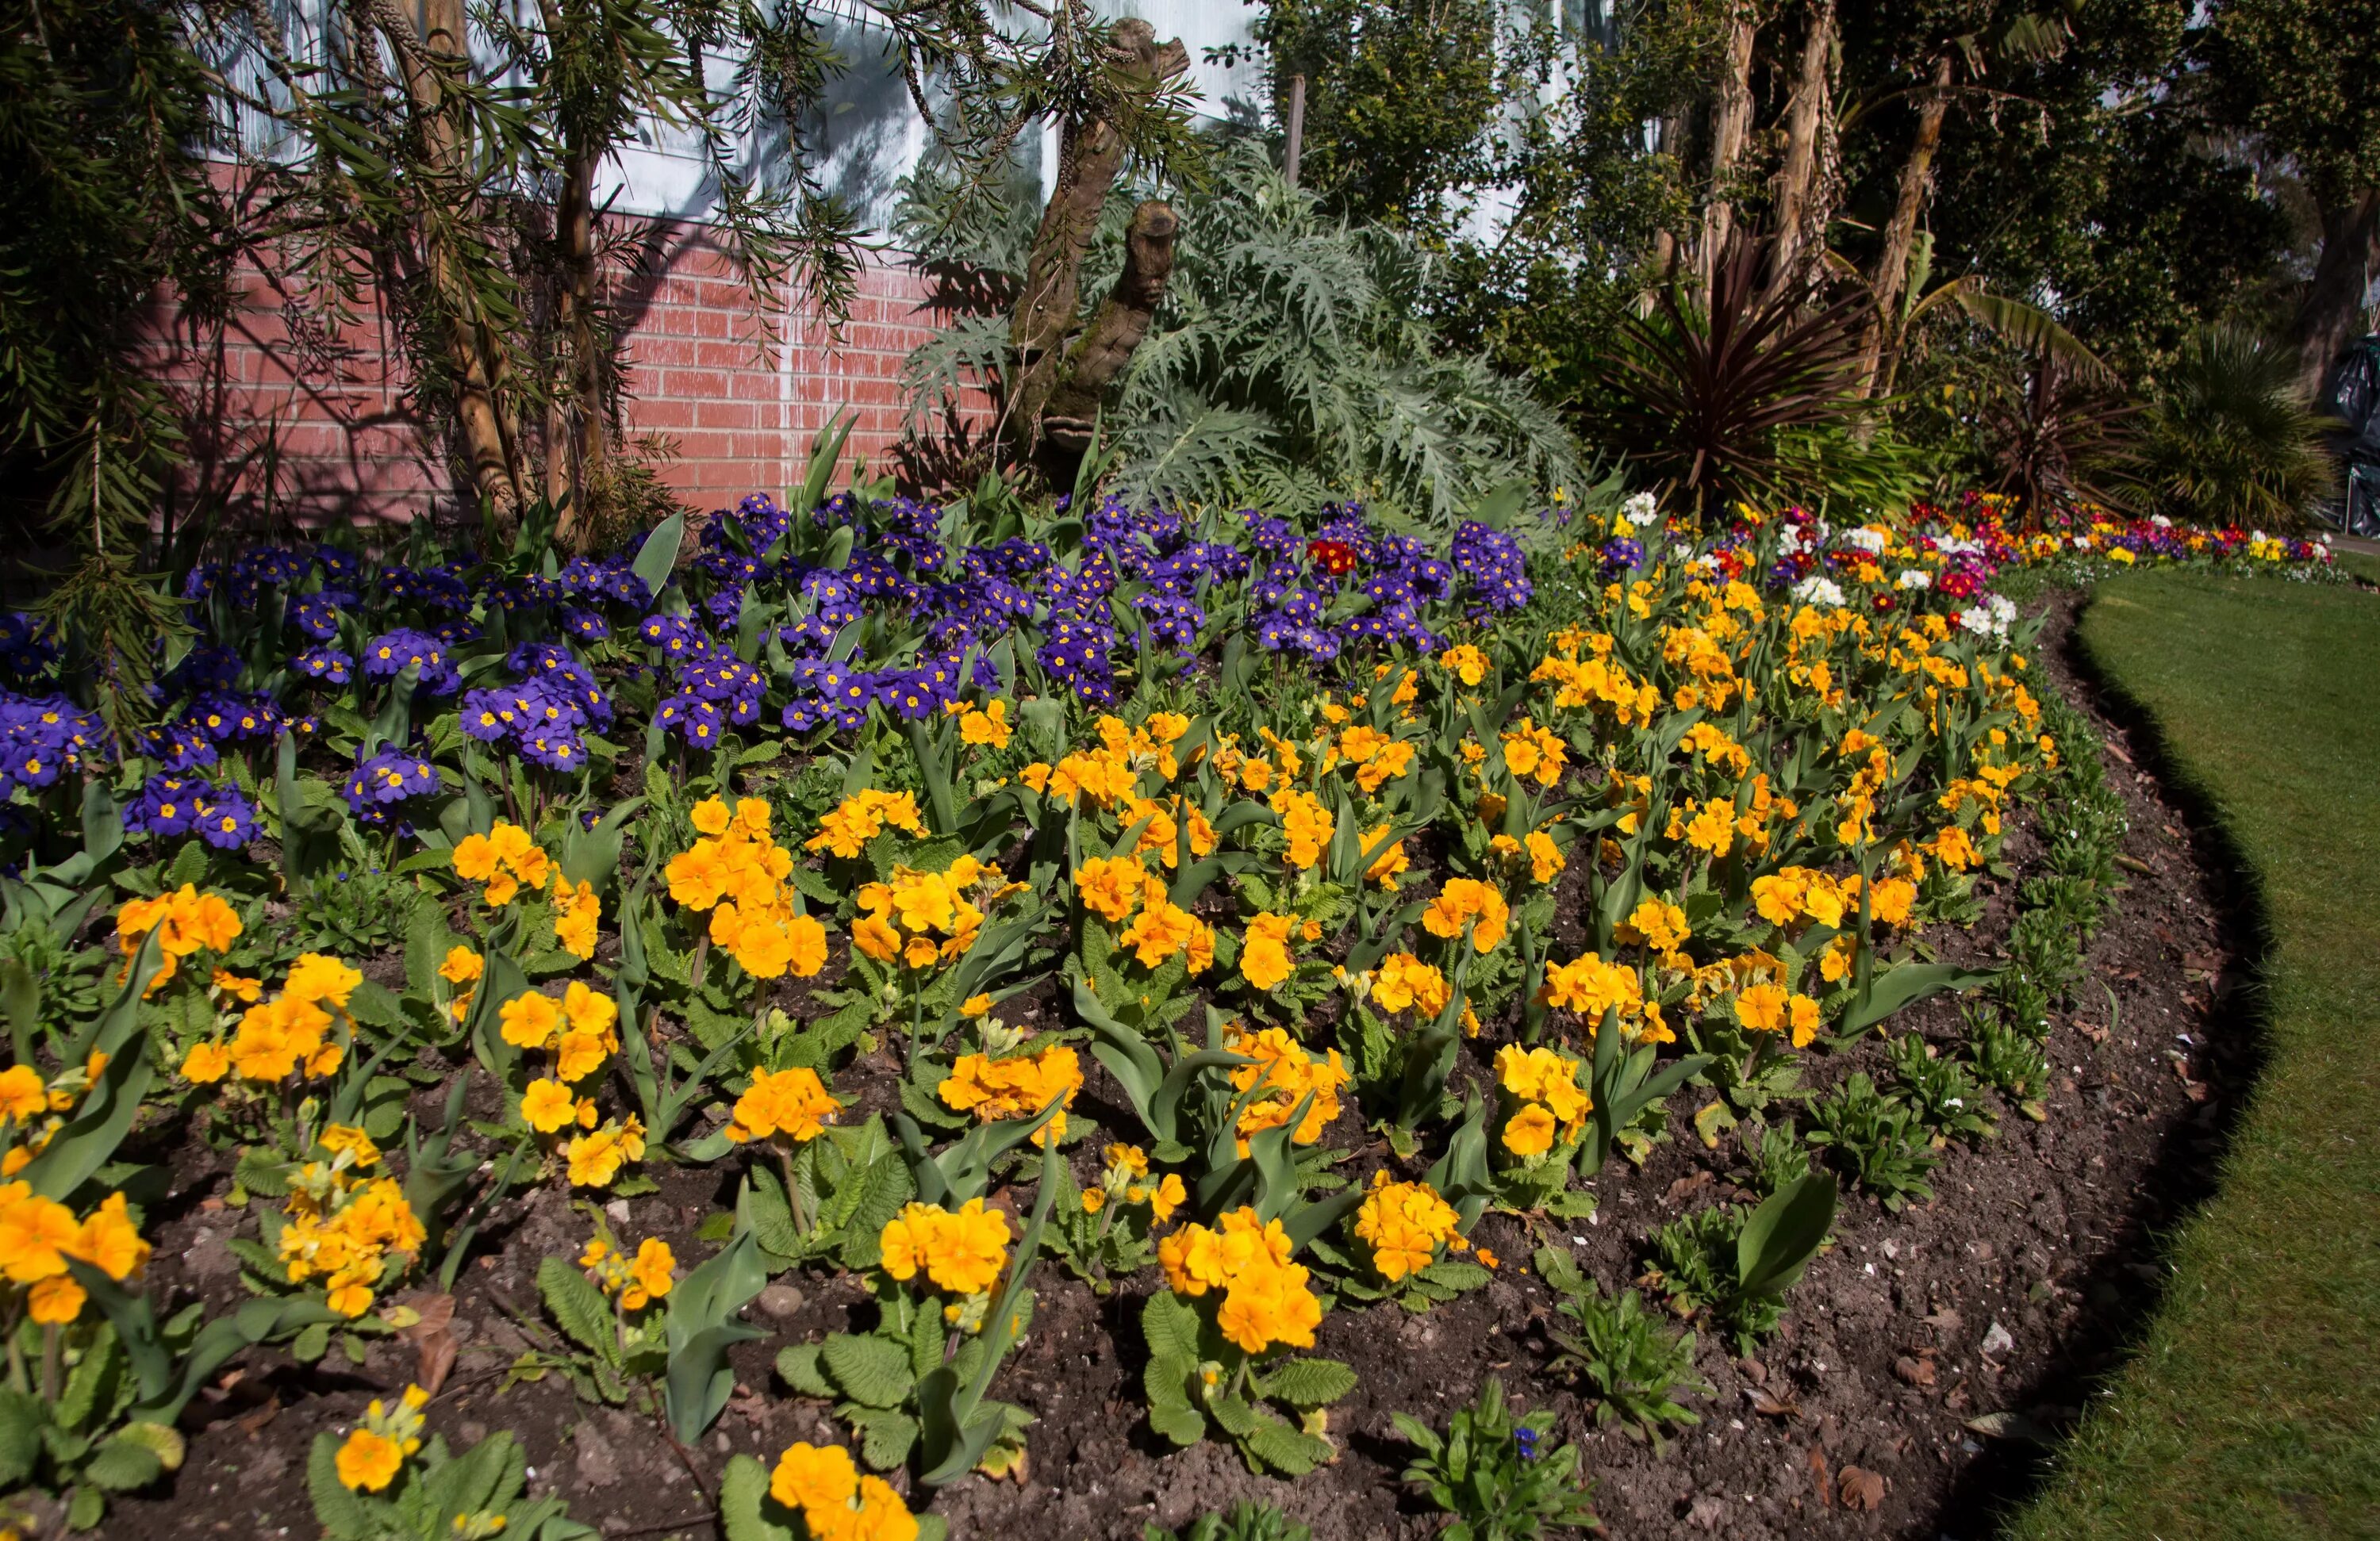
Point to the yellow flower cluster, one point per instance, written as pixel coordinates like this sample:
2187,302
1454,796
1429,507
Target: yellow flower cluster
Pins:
860,817
1403,982
986,726
1391,863
37,1236
1405,1223
1465,663
792,1105
581,1030
35,1110
381,1445
1553,1106
1792,894
835,1502
738,872
923,918
1659,925
1266,1301
1378,759
186,921
1468,900
1592,985
343,1228
961,1254
1596,684
1532,753
636,1282
1281,1076
288,1035
1113,887
1306,823
576,913
1768,1007
1125,1180
505,859
1019,1086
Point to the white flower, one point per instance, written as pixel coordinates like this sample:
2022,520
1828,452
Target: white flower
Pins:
1913,578
1989,617
2160,521
1817,591
1868,540
1640,510
2082,543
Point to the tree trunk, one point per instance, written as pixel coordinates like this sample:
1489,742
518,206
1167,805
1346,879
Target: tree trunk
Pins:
1730,127
1892,264
1809,113
489,444
1107,344
575,457
1089,157
2332,311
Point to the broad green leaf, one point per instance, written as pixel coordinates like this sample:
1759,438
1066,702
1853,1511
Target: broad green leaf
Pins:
870,1370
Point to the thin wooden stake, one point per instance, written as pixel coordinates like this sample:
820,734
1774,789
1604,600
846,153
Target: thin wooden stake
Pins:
1296,128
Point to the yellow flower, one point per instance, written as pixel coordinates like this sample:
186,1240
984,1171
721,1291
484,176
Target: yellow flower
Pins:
650,1275
1405,1223
1404,981
811,1478
205,1063
793,1103
1264,950
1761,1007
1530,1132
1110,886
1018,1087
369,1461
1467,899
461,966
530,1021
548,1106
962,1254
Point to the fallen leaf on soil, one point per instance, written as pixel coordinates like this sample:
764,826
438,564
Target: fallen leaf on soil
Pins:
254,1421
2118,750
1946,1319
1769,1407
433,1336
1686,1187
1916,1372
1859,1488
1818,1478
1705,1513
2009,1425
1756,1371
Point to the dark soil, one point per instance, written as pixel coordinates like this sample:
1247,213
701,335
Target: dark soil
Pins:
2003,1296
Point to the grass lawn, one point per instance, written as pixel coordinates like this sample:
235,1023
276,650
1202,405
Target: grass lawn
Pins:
2252,1407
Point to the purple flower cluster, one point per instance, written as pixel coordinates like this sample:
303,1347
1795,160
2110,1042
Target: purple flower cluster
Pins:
386,780
41,737
29,648
547,711
1491,563
387,656
172,805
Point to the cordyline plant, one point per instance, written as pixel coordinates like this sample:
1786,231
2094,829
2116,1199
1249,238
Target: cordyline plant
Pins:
1710,377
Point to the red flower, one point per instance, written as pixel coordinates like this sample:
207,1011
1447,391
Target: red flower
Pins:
1335,557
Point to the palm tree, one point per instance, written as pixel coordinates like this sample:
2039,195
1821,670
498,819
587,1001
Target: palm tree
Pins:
2231,437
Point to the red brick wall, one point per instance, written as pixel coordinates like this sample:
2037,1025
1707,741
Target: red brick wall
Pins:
741,407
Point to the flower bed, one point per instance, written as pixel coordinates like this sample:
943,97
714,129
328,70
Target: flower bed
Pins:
1235,920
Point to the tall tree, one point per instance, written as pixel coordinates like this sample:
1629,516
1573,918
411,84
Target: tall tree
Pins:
2303,77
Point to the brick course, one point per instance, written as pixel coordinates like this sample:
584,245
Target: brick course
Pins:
742,407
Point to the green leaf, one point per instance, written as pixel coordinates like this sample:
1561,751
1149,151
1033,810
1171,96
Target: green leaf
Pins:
658,556
1784,1234
122,1465
1901,985
21,1437
886,1437
1285,1450
312,1341
798,1367
870,1370
747,1512
1172,1327
1456,1274
579,1309
1305,1383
